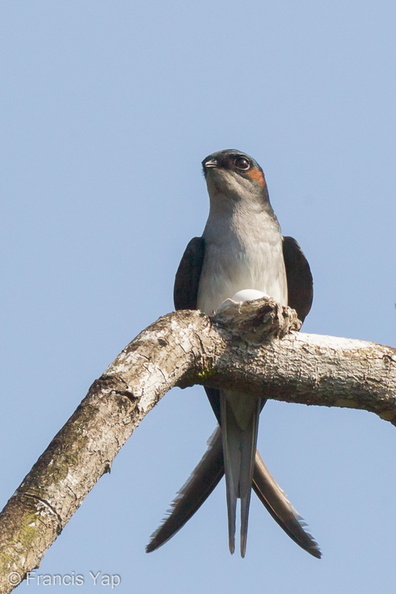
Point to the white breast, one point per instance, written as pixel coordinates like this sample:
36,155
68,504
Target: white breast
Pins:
243,250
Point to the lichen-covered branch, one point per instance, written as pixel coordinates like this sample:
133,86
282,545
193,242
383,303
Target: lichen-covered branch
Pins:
247,346
308,368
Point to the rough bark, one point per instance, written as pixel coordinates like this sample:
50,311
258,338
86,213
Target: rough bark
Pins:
253,347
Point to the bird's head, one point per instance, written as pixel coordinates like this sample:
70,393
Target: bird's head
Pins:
235,175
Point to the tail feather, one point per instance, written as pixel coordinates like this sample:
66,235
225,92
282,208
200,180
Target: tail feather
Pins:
248,451
231,455
203,481
239,427
280,508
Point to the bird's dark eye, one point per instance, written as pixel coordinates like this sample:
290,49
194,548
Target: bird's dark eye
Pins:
242,163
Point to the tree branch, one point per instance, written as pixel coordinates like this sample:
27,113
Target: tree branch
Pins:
240,347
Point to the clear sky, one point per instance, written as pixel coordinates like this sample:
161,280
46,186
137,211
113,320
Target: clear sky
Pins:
107,109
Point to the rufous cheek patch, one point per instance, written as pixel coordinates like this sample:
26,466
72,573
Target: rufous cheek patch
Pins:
256,175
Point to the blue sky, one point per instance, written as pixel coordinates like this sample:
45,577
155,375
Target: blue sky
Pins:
108,109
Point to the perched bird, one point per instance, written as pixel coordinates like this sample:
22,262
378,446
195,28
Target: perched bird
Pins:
241,249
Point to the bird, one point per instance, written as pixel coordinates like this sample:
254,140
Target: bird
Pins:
241,252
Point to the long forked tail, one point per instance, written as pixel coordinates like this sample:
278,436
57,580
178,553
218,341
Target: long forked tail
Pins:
205,478
239,427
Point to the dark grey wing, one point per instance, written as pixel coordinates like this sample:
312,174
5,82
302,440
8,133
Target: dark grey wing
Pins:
185,291
185,294
299,278
205,478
